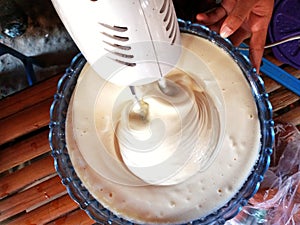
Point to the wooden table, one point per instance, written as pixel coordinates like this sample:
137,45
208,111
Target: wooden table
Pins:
30,189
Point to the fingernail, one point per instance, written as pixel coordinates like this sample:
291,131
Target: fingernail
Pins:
226,32
199,17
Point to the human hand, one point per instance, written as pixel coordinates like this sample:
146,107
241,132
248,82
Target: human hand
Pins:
239,20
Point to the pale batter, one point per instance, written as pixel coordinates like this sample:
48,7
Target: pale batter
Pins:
94,119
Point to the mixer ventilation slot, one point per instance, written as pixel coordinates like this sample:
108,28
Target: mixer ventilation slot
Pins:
116,37
115,28
164,6
120,54
117,43
121,47
169,19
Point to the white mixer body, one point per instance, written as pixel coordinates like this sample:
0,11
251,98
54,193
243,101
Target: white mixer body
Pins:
126,42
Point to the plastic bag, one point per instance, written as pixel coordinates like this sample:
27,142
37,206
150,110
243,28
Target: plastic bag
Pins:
278,200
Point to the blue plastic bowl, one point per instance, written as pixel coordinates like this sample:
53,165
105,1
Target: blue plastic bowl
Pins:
102,215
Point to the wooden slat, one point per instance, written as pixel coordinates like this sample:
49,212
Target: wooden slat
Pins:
76,217
292,116
40,193
24,150
25,121
47,213
16,181
270,84
273,60
282,99
28,97
293,71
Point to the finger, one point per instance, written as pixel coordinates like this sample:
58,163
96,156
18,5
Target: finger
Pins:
239,36
211,17
256,47
216,26
236,18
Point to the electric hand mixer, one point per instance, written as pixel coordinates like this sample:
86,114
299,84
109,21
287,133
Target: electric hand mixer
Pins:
126,42
131,43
